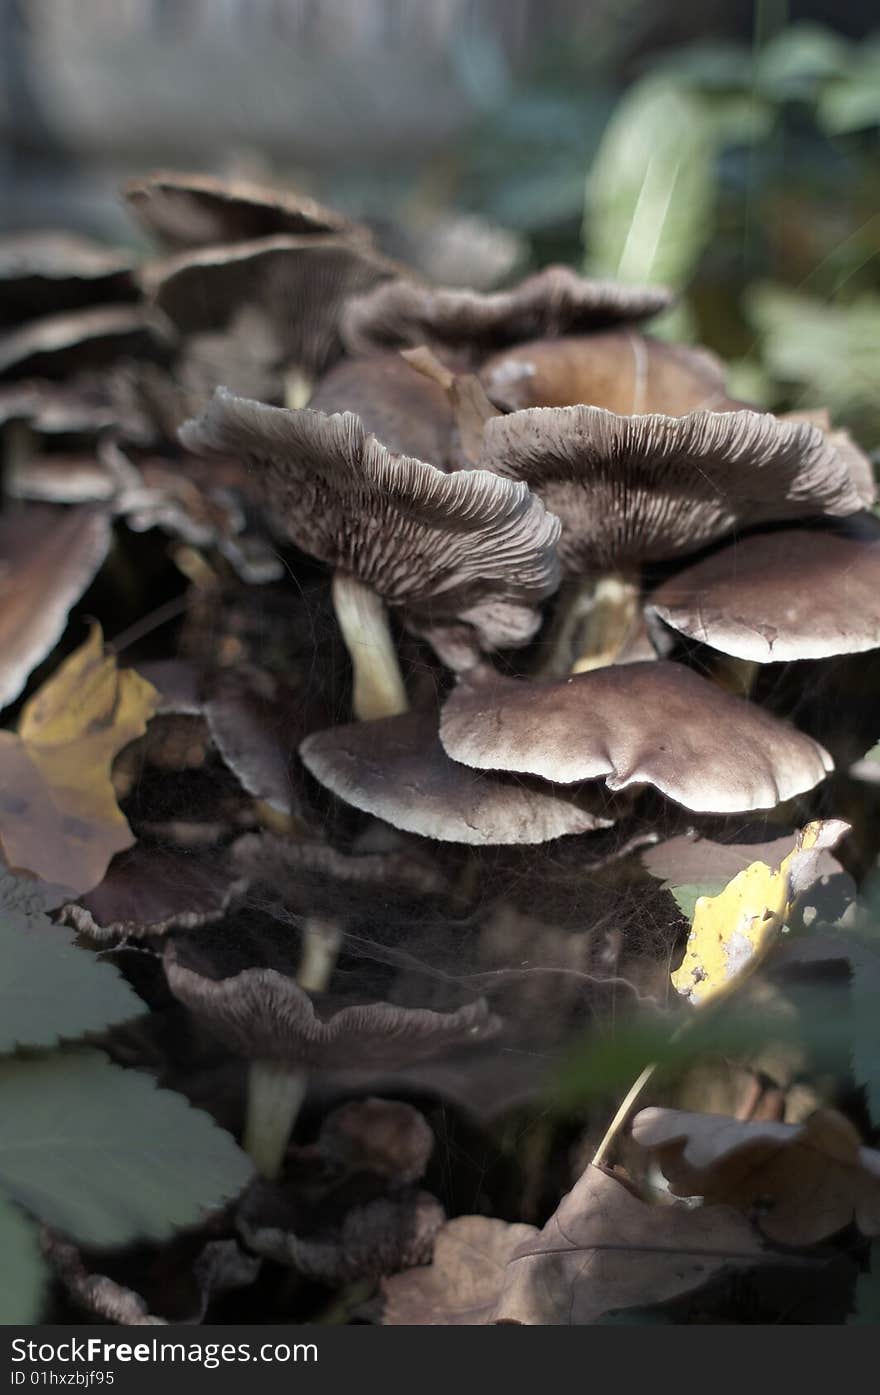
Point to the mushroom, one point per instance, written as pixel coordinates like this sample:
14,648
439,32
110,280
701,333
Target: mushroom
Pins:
327,889
553,302
656,723
404,409
193,210
56,345
269,1019
51,272
292,289
635,489
48,558
464,549
794,594
618,369
397,770
149,891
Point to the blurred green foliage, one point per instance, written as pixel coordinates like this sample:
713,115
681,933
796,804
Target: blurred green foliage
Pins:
744,175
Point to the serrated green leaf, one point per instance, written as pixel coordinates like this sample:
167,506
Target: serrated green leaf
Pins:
52,991
686,897
651,190
104,1155
22,1269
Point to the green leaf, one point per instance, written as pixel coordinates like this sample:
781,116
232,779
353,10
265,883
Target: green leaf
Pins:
22,1269
867,1295
52,991
687,896
104,1155
651,191
793,64
829,351
852,101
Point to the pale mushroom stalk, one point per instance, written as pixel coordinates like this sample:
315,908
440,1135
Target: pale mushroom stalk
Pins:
275,1090
593,621
363,619
274,1095
609,622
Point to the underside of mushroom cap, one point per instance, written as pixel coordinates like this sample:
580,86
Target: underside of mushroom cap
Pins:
58,345
51,272
654,724
445,546
552,302
192,210
636,489
773,597
397,770
264,1015
621,370
300,285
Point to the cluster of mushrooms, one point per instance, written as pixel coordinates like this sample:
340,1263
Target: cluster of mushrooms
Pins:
557,550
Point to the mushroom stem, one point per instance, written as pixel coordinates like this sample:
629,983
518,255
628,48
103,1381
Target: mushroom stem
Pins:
736,675
297,389
276,1090
275,1093
593,620
608,624
363,620
322,940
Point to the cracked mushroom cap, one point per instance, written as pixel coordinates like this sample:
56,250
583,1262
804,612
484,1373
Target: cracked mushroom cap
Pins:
408,412
299,285
772,597
396,769
637,489
654,724
555,301
56,346
466,547
264,1015
50,272
192,210
620,370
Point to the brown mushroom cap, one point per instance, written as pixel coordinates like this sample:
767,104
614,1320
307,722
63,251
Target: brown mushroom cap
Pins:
58,345
396,769
48,558
657,723
264,1015
773,597
148,891
192,210
620,370
552,302
299,284
50,272
467,546
405,410
635,489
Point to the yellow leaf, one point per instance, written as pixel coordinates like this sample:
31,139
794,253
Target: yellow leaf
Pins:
58,813
732,932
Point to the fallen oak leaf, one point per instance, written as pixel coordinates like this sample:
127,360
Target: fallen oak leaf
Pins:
59,818
603,1249
733,931
810,1180
461,1287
